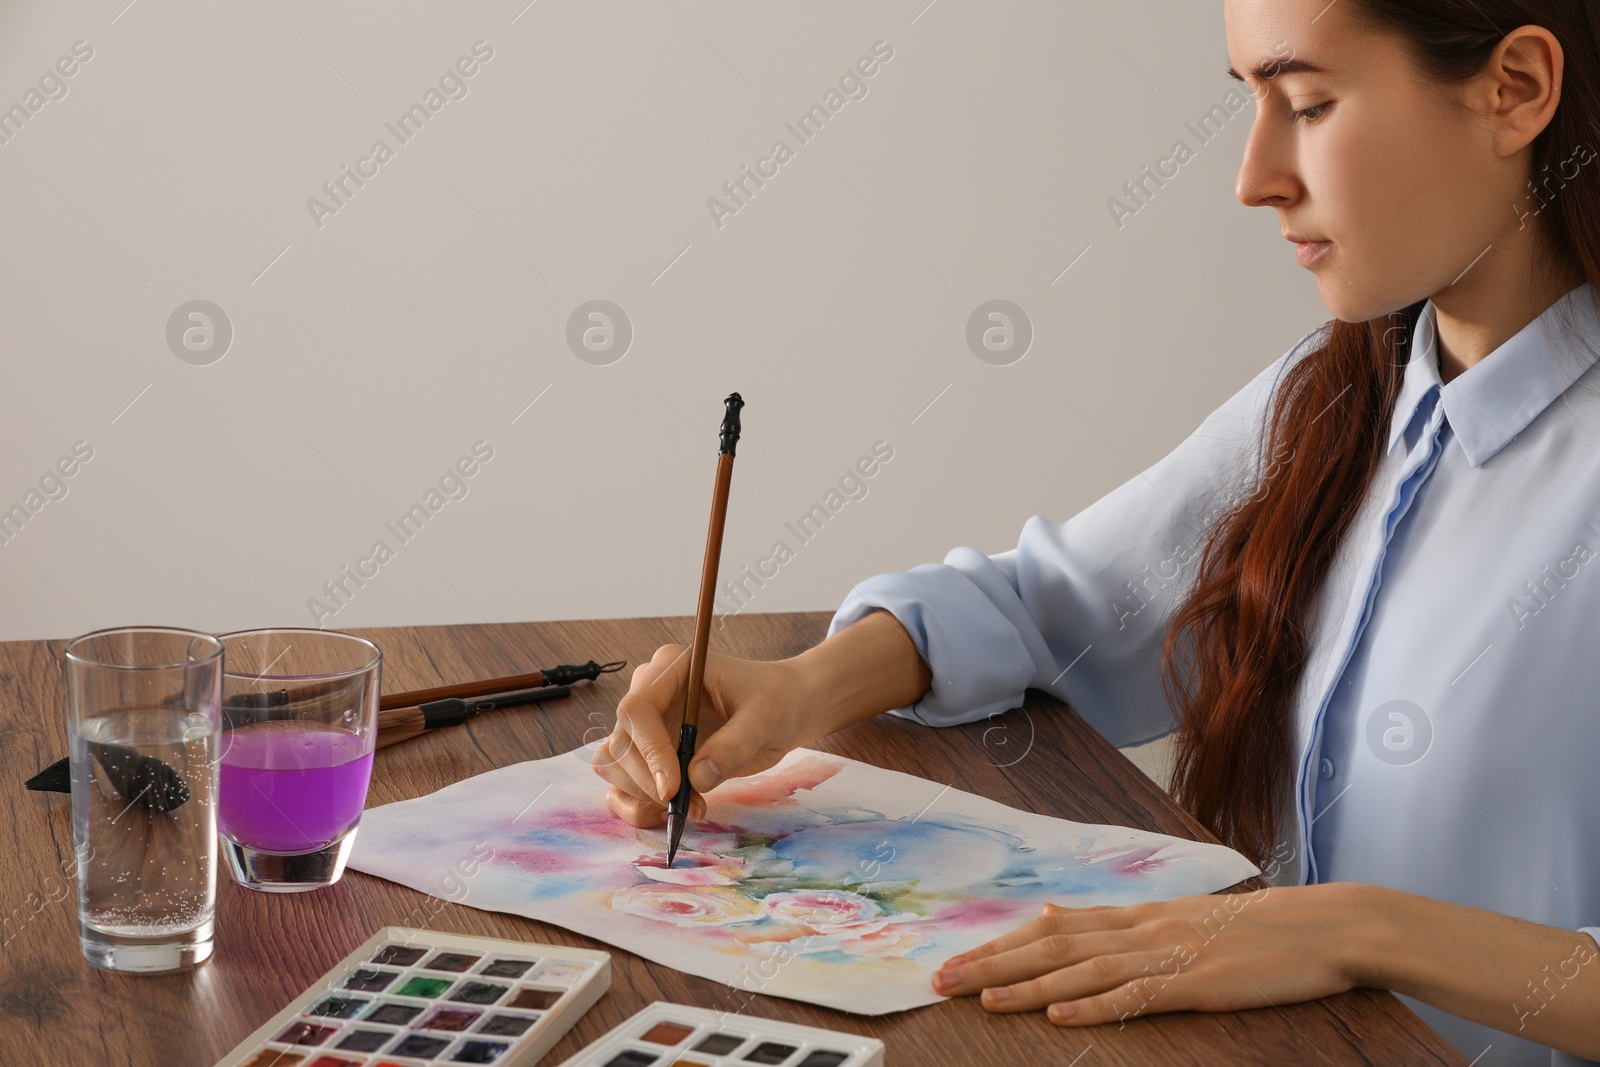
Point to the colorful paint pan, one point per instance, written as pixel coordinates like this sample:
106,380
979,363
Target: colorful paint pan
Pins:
408,998
673,1035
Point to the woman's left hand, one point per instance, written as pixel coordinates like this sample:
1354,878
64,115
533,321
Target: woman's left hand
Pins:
1218,952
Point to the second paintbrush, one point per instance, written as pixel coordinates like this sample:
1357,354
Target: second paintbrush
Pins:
402,724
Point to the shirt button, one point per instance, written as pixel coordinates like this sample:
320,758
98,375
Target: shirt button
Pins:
1326,767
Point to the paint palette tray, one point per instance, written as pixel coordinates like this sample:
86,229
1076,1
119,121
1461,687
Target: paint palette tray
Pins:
412,998
671,1035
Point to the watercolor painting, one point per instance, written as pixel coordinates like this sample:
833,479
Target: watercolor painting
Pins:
823,879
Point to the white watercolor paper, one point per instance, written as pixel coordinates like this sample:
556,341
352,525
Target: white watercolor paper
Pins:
823,879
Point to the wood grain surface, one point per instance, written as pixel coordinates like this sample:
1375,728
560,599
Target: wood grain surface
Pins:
55,1009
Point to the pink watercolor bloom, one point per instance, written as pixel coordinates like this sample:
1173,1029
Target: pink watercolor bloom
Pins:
837,921
825,911
890,943
707,905
1131,859
692,868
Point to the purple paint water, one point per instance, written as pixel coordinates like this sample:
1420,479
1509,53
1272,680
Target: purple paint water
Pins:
291,786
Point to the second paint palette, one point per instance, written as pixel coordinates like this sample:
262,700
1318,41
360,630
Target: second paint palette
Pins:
674,1035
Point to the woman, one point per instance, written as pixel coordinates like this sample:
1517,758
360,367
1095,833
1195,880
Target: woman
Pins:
1365,589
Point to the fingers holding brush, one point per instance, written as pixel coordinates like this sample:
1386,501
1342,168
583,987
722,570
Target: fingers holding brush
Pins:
644,813
639,758
752,713
618,760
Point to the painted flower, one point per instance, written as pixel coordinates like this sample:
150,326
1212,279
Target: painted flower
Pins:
706,905
824,911
692,868
892,942
837,920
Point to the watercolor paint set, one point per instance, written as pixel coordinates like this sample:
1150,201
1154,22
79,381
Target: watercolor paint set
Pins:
409,998
673,1035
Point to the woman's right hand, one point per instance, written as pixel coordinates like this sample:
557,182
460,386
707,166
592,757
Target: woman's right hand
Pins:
752,713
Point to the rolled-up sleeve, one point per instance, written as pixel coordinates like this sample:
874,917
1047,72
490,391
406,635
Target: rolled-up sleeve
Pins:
1078,608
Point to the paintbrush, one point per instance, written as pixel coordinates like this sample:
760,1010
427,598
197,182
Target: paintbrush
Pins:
159,787
244,708
402,724
678,809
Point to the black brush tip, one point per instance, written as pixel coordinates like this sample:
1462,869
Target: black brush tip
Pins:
674,834
56,778
143,780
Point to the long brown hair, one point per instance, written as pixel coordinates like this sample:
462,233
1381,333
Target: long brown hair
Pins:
1237,646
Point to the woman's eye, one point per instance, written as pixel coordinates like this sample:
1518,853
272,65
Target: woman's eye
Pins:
1309,114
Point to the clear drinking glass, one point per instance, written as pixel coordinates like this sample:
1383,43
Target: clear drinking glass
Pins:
143,717
300,722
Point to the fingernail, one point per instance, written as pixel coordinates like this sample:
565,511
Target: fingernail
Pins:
948,977
661,786
1060,1013
954,962
707,773
997,994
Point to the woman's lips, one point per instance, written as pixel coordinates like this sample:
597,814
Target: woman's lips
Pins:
1309,252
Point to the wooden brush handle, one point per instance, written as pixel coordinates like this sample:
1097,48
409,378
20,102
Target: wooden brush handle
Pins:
397,701
708,590
728,439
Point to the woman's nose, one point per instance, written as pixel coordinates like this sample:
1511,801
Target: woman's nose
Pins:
1266,174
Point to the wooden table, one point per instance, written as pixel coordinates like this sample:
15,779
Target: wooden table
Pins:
55,1009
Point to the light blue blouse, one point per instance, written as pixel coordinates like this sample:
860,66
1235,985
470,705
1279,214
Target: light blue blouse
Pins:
1448,723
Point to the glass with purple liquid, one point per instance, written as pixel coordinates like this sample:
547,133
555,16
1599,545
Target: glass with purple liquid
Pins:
300,723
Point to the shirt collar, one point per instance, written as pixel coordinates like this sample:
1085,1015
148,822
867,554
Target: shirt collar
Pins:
1496,398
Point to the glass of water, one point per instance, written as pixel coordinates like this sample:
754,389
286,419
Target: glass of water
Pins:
143,715
300,724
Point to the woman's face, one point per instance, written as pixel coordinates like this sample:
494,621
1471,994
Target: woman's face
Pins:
1402,180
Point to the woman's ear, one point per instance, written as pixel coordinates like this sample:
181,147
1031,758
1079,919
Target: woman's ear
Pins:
1521,87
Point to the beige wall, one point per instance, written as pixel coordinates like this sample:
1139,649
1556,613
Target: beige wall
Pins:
374,345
